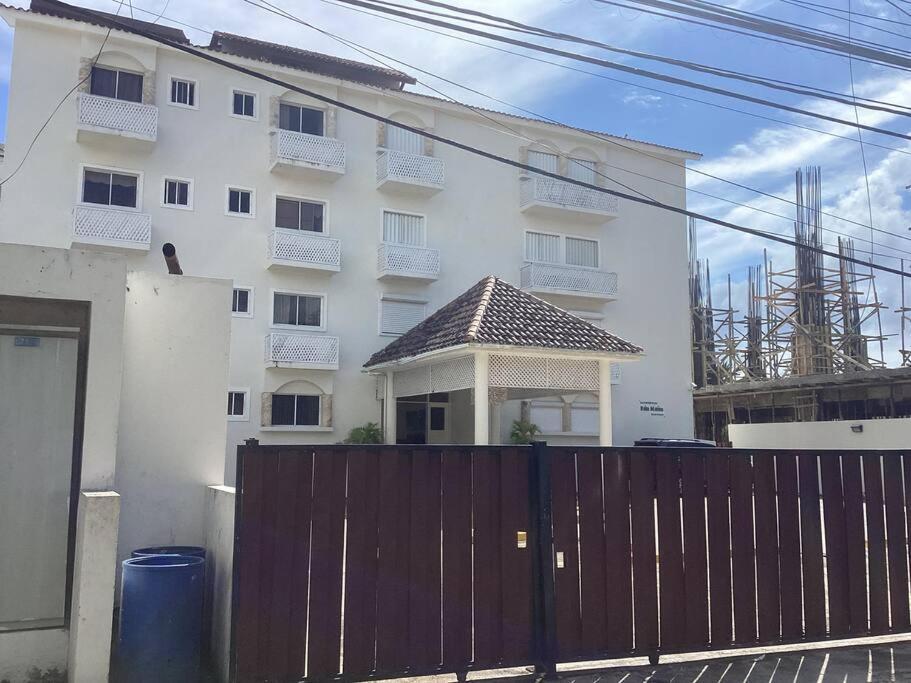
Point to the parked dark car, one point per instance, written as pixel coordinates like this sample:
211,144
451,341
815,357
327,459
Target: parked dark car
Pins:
675,443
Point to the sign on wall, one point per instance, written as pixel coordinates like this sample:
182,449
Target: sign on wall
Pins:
653,408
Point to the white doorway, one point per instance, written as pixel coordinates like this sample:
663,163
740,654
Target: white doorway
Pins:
424,419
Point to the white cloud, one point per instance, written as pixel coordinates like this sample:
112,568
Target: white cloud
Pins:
641,99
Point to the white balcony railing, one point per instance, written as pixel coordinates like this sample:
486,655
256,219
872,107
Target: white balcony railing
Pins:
548,193
304,249
118,117
399,260
308,151
569,280
300,350
112,228
401,169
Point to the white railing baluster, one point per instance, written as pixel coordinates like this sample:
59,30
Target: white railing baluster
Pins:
400,260
296,349
412,169
119,117
546,277
540,190
112,227
304,249
313,151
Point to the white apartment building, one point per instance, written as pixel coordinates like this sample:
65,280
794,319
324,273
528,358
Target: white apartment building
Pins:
340,233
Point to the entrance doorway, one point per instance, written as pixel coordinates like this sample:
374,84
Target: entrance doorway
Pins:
423,419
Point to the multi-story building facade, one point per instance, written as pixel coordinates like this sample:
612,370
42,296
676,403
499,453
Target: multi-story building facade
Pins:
338,232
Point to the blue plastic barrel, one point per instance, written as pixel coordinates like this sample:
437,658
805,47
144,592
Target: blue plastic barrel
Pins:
160,632
191,550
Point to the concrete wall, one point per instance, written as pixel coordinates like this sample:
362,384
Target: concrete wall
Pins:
172,418
876,434
219,576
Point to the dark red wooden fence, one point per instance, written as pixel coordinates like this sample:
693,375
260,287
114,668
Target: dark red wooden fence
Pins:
369,561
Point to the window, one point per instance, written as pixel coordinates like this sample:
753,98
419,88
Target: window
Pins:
397,316
302,310
581,252
298,214
548,415
295,410
243,104
582,169
584,415
238,405
240,202
183,92
177,193
242,302
121,85
110,188
404,228
300,119
544,160
402,140
542,247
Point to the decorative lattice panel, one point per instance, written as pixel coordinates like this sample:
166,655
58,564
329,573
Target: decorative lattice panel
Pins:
542,190
304,350
411,382
400,259
452,375
315,150
523,372
102,226
572,279
572,374
133,118
305,249
409,168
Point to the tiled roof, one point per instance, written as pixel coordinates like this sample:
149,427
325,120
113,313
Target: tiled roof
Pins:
495,312
64,11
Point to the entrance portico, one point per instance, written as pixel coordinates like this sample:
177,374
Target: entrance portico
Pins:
498,343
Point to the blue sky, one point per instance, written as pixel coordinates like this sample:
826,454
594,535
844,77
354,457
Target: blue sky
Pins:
750,151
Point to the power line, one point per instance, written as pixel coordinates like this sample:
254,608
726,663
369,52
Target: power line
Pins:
103,20
807,4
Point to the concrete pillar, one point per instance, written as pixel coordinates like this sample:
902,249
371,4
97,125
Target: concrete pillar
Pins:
91,617
389,411
605,422
481,405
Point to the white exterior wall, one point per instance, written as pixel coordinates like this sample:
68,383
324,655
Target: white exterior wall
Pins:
474,221
219,586
891,433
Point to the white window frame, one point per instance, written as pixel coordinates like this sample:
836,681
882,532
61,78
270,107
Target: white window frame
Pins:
298,428
243,91
195,82
246,414
119,71
109,169
562,236
299,198
401,298
237,214
164,184
250,300
422,216
323,311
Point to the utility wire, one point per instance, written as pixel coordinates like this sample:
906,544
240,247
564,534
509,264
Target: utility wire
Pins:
806,4
810,8
451,142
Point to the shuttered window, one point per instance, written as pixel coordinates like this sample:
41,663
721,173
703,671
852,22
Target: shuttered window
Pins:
580,252
547,415
403,228
397,316
584,416
582,169
543,160
542,248
402,140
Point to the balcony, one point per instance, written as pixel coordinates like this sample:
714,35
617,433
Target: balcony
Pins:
403,261
314,154
301,350
538,194
304,249
588,283
409,173
105,116
93,226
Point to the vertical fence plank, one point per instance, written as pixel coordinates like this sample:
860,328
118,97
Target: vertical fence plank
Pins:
670,551
326,562
876,540
569,621
742,548
855,540
696,591
895,533
300,581
768,587
269,462
456,482
394,530
424,609
249,568
836,544
515,562
487,611
811,544
645,575
789,546
360,564
593,557
618,568
721,607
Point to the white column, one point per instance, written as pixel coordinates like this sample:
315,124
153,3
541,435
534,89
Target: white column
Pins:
605,422
481,405
389,410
